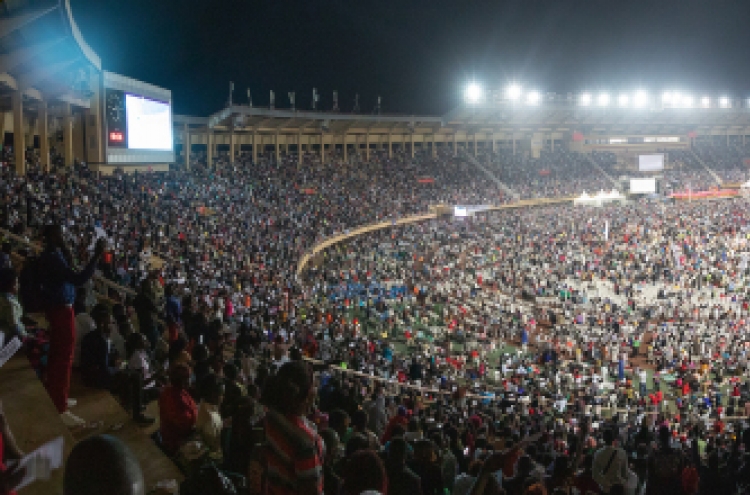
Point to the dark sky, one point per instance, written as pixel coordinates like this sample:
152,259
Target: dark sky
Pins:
417,54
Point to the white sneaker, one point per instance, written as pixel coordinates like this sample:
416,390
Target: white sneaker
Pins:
71,420
72,403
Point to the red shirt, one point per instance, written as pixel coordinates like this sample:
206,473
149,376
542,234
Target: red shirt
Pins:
295,454
177,416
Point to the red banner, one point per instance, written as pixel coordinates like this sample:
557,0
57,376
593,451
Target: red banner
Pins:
544,172
577,136
426,180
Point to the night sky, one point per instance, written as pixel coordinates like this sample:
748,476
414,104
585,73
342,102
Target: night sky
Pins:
417,54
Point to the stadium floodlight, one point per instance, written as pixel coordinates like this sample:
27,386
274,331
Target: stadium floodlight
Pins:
533,98
473,93
585,99
666,97
705,102
686,101
513,92
623,100
724,102
603,100
640,99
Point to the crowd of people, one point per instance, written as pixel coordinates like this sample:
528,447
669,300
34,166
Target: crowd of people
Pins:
543,350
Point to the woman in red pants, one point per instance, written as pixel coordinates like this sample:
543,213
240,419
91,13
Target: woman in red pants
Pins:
58,284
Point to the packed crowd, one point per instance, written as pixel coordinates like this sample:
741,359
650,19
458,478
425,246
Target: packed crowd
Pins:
529,351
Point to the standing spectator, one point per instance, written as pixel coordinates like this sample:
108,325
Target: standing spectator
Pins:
610,463
665,467
295,450
401,479
59,288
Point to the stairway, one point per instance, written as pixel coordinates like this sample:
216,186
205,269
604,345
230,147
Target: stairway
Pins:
599,168
708,169
500,184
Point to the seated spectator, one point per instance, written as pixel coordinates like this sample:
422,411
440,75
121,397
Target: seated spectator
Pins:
98,366
426,467
364,473
177,410
234,390
359,425
10,309
102,464
209,423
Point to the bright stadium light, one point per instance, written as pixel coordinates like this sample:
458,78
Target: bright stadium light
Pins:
687,101
603,100
473,93
513,92
666,97
641,99
724,102
623,100
705,102
585,99
533,98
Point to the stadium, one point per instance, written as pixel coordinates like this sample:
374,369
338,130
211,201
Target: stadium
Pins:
531,293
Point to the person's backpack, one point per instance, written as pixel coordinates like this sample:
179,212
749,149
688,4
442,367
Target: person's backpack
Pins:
31,285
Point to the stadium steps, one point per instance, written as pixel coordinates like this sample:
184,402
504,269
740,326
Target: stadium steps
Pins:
705,166
600,169
500,184
32,417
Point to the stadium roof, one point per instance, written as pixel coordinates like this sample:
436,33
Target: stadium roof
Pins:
43,54
549,117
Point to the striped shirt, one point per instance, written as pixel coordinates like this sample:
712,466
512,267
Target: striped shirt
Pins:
294,455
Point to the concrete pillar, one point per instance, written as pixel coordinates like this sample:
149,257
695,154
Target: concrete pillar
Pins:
390,145
276,143
552,142
299,149
255,147
210,149
346,150
19,139
455,144
494,144
434,148
475,145
67,135
42,122
232,147
514,145
186,145
367,146
322,148
412,145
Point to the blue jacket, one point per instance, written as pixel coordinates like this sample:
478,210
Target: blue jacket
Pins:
60,281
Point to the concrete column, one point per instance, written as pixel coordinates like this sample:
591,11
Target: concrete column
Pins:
322,147
19,139
43,136
475,145
552,142
346,150
494,144
299,149
455,144
276,142
210,149
186,145
232,147
255,147
514,145
67,135
390,145
434,148
367,146
412,145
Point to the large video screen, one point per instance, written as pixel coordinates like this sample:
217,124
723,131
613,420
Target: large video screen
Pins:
650,163
149,123
642,186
